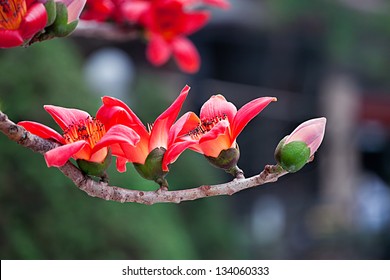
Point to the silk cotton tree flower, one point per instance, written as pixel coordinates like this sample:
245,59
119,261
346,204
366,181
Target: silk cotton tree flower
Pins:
84,139
99,10
214,133
20,21
167,24
295,150
150,153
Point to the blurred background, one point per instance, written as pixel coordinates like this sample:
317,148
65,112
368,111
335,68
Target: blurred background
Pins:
319,58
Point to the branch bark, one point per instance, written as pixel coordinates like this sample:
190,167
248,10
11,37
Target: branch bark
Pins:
102,190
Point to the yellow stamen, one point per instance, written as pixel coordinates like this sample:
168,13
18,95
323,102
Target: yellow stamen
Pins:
12,13
90,130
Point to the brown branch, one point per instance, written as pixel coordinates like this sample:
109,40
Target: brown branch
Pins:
107,31
18,134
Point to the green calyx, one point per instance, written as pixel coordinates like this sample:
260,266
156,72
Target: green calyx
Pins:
57,22
97,169
60,26
292,156
227,160
152,168
51,11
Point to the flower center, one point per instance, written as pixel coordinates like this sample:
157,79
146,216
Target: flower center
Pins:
169,19
205,126
89,129
11,13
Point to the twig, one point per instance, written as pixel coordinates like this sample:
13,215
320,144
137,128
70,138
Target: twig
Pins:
102,190
107,31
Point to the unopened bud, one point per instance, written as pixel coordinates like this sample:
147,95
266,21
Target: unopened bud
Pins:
294,150
292,156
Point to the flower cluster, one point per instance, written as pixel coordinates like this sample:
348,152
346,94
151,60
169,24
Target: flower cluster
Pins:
165,24
23,22
116,130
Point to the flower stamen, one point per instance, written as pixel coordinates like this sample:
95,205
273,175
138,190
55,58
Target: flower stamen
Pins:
205,126
150,127
89,129
11,13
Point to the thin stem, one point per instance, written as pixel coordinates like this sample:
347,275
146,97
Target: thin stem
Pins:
107,31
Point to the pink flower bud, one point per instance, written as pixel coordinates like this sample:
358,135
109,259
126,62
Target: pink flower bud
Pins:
295,150
311,132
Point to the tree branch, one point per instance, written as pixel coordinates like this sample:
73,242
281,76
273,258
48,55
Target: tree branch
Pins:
102,190
107,31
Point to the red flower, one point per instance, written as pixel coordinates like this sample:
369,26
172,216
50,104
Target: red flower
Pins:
219,124
83,137
156,136
167,23
99,10
20,20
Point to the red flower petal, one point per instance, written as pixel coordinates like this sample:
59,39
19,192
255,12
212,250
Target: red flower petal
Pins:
133,10
194,21
186,123
115,111
217,106
136,154
115,135
10,38
60,155
185,54
174,152
42,131
218,129
34,21
158,50
247,113
159,134
98,10
216,140
121,164
65,117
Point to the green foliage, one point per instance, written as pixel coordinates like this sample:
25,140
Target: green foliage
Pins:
351,37
44,216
